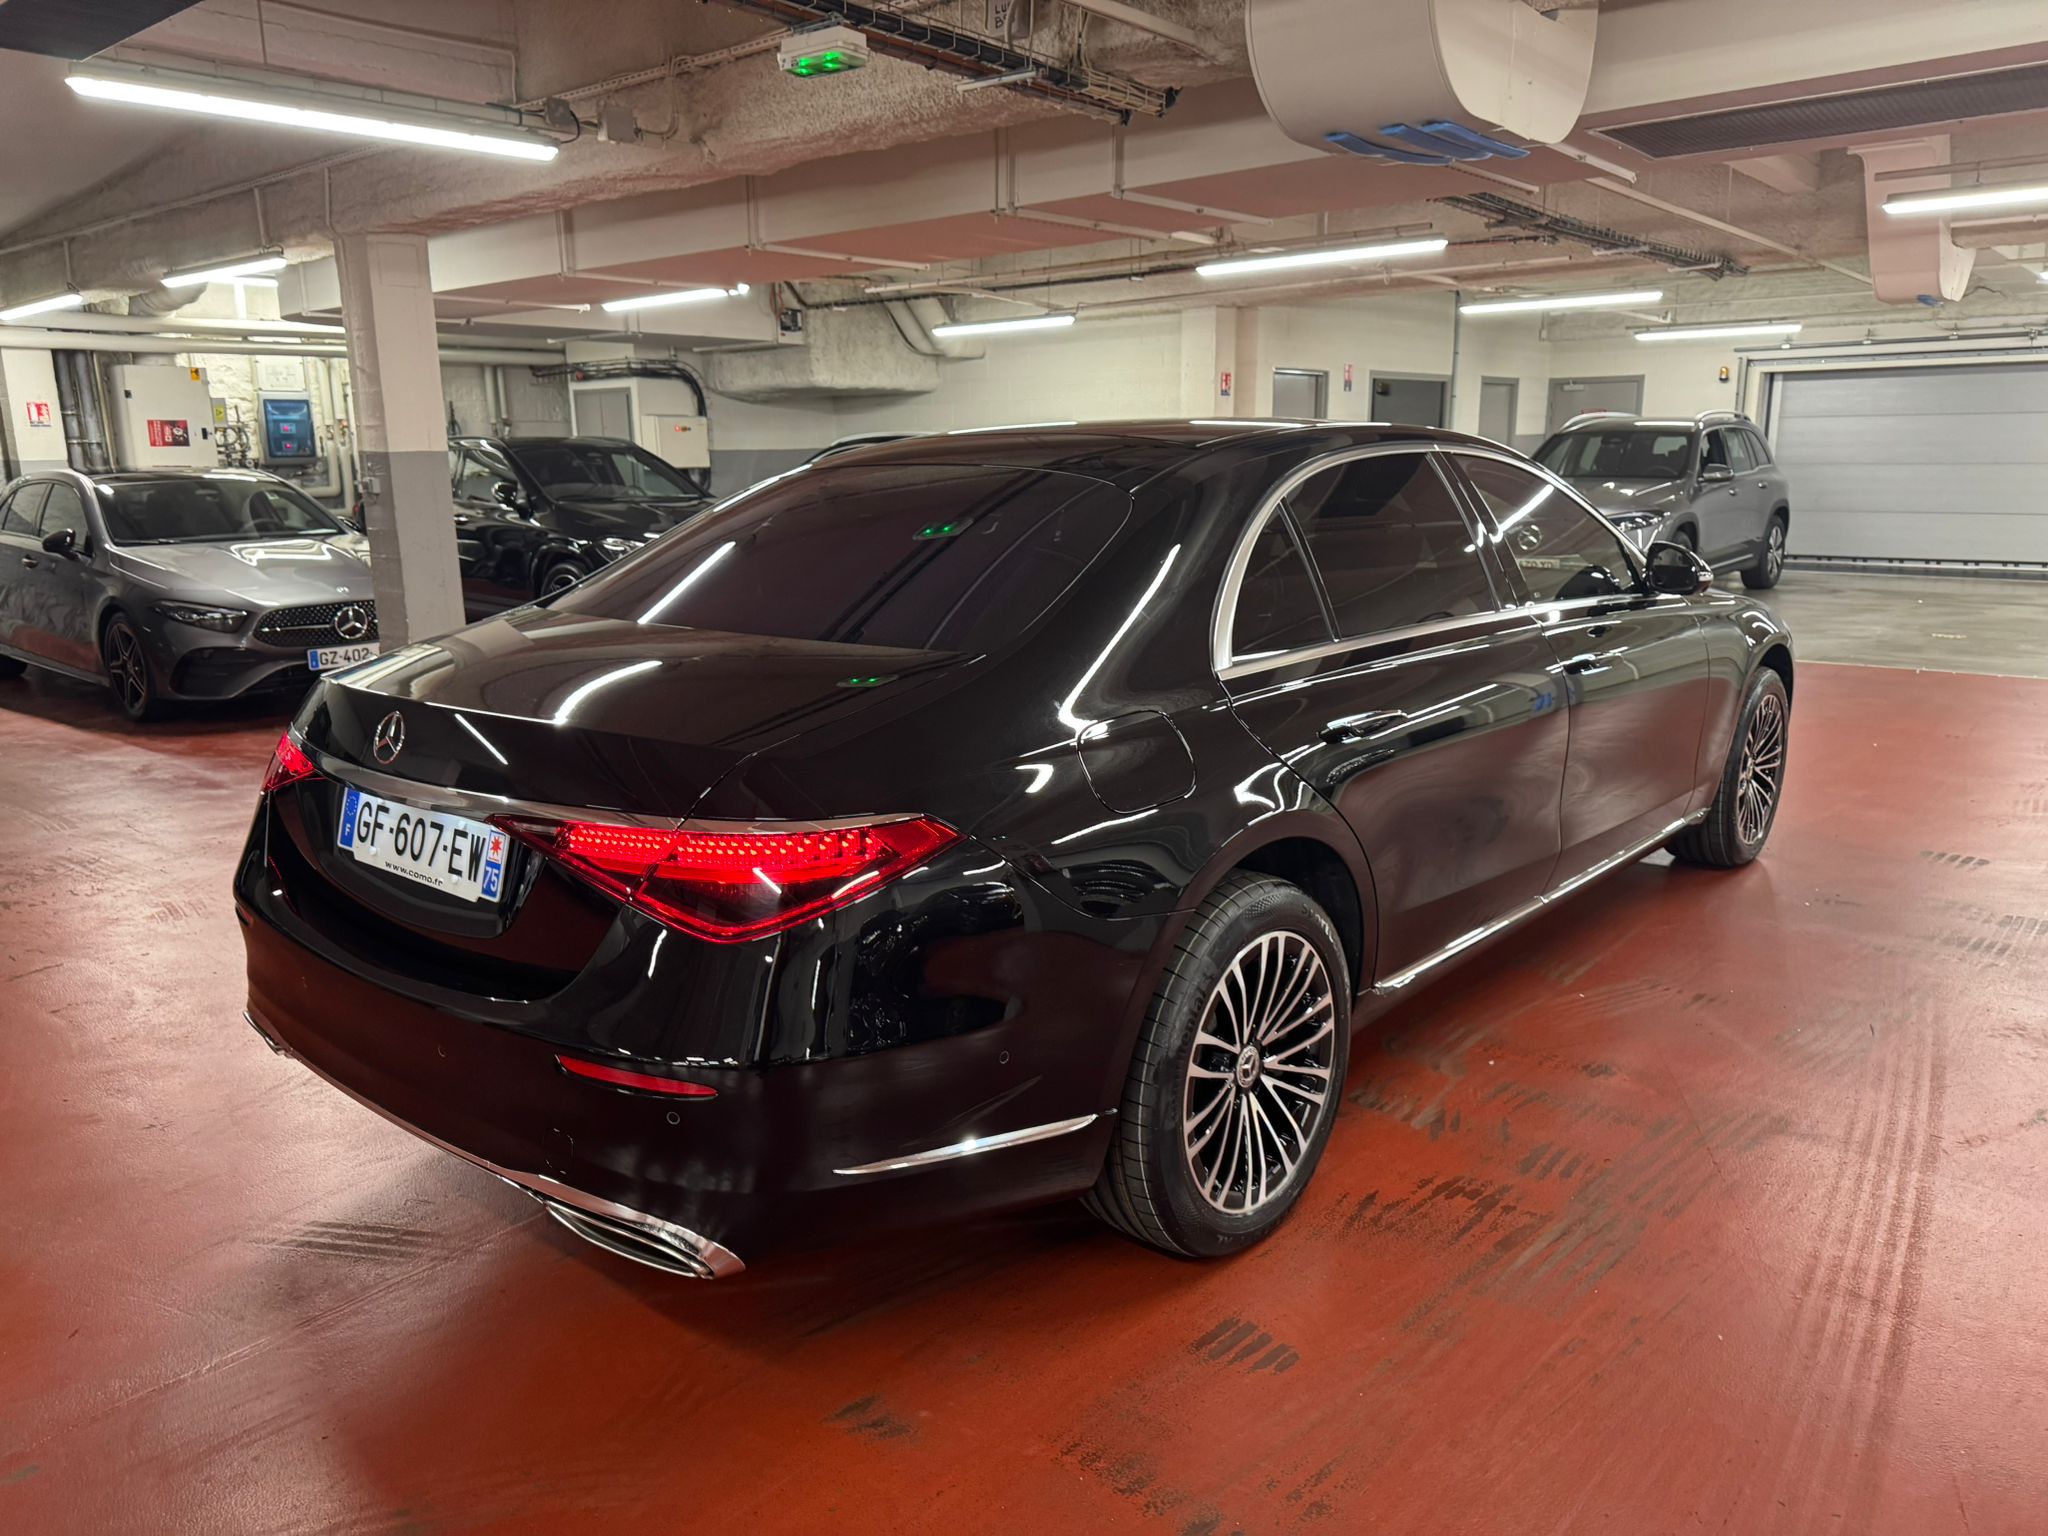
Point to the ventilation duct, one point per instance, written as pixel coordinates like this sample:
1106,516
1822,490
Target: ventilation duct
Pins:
1842,114
845,352
1911,260
1420,82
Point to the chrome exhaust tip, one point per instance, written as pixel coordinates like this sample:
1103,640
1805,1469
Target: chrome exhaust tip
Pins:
646,1240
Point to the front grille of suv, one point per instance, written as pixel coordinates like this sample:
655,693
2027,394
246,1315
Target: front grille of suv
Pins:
313,626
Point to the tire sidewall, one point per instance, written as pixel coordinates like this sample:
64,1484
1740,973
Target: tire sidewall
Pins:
1179,1009
1765,682
149,702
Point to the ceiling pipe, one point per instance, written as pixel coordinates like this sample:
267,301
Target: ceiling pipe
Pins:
1608,184
229,346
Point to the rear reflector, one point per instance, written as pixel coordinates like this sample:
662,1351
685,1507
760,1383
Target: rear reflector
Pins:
288,765
730,883
620,1077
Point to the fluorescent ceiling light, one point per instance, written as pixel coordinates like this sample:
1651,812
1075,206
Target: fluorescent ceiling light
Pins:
995,327
249,271
321,109
1559,301
43,306
1968,197
1386,251
1716,332
682,296
252,327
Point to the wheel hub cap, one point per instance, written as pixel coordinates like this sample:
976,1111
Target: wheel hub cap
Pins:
1258,1074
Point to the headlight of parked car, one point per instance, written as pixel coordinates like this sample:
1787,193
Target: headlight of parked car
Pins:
616,547
222,620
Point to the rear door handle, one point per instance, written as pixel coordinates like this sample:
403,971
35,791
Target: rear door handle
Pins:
1357,727
1581,664
29,561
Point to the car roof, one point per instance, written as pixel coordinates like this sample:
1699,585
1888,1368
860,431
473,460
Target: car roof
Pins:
531,440
161,476
1050,444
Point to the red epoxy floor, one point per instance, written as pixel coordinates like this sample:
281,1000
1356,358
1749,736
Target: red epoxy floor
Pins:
1713,1202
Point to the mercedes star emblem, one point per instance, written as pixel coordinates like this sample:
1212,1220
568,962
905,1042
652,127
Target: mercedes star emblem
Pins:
390,738
352,622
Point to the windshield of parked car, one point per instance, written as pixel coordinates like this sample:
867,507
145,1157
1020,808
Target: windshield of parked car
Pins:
614,471
925,557
1632,453
209,510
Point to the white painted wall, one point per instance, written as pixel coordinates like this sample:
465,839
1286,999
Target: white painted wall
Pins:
1680,378
29,379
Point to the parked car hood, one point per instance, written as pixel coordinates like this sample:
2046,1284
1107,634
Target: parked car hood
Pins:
1629,495
264,573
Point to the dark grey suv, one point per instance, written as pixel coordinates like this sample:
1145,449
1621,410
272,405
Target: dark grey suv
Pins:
1709,483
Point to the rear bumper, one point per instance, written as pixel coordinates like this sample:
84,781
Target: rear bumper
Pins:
786,1156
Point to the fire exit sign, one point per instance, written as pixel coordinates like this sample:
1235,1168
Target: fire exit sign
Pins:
38,413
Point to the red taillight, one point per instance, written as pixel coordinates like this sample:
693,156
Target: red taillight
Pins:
620,1077
288,765
738,883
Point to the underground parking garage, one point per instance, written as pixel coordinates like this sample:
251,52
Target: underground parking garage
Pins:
1205,765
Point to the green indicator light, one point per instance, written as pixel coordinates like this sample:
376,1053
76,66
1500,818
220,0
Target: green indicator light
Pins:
938,530
864,682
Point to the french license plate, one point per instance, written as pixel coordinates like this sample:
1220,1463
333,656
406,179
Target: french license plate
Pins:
450,853
326,660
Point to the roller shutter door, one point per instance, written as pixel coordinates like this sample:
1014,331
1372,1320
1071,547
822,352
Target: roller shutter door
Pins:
1917,463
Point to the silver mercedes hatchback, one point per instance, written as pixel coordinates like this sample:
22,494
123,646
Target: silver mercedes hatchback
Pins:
178,586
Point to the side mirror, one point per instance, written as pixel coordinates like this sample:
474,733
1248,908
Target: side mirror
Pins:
1715,472
63,542
1675,571
506,494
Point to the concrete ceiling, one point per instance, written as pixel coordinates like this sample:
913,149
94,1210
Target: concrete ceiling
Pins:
980,189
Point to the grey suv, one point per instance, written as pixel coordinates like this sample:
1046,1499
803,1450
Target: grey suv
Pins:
1709,483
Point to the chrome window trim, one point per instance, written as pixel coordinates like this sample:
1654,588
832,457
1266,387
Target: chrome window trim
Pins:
1223,618
1229,669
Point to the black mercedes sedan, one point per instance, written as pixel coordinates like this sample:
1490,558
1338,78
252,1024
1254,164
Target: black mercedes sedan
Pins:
988,819
536,514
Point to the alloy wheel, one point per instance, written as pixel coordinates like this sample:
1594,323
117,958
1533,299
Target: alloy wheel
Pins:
1774,550
1258,1076
1762,769
561,579
127,669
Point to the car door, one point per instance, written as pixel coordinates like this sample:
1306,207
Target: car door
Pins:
19,553
1633,663
54,599
1770,480
1726,500
1372,652
491,538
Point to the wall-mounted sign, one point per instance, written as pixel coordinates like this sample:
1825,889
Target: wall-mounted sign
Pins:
170,434
39,413
1226,385
1350,377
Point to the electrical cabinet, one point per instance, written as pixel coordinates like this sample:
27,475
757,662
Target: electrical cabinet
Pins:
163,417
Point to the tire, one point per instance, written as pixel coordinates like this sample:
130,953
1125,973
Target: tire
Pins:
128,670
1684,537
1245,950
1739,823
560,577
11,667
1770,564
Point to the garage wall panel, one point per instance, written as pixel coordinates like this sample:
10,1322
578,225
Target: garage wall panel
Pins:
1944,463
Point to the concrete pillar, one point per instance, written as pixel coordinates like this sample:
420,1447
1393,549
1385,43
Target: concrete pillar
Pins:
34,436
387,305
1208,351
1253,395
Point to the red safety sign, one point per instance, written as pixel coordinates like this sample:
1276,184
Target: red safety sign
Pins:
170,434
1226,386
38,413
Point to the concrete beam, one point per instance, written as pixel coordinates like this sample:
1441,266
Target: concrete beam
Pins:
1791,174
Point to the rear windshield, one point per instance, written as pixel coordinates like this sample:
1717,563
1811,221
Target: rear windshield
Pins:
1634,453
613,471
202,511
926,557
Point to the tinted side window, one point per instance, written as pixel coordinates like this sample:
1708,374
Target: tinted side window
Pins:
1758,448
1277,607
1715,450
1739,456
1563,552
937,557
63,510
23,508
481,470
1391,544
